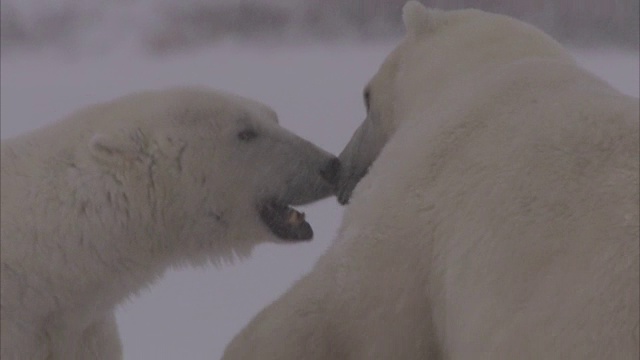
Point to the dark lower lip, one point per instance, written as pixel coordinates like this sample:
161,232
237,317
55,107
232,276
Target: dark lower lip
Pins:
277,217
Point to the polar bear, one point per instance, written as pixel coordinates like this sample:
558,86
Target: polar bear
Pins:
497,216
97,206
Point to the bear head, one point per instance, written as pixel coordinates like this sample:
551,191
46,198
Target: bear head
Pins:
440,49
196,169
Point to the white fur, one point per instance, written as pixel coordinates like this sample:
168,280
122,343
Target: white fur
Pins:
97,206
419,20
498,221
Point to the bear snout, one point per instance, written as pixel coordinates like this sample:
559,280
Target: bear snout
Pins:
330,171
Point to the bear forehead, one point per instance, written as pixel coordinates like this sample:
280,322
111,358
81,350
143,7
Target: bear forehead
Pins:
192,106
234,106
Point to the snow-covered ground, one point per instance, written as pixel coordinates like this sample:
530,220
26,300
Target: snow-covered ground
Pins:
316,89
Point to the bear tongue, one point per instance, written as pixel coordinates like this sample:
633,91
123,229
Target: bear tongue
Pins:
285,222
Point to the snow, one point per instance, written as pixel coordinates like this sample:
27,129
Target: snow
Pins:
316,89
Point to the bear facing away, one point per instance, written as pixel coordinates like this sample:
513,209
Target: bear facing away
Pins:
97,206
499,218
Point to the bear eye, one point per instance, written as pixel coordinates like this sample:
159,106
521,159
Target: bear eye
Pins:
247,135
367,98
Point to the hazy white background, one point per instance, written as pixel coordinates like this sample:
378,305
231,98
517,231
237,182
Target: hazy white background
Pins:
315,85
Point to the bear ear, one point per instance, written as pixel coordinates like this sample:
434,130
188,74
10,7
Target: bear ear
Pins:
117,149
418,19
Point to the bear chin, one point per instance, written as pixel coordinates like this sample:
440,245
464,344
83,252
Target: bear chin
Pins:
285,222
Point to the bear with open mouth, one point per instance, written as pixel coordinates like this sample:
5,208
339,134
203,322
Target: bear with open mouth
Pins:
96,206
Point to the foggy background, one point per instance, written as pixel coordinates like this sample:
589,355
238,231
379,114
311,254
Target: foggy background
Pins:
308,59
165,25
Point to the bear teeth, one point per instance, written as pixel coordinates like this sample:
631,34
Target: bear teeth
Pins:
285,222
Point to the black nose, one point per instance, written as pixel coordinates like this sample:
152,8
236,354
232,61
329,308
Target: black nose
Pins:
330,172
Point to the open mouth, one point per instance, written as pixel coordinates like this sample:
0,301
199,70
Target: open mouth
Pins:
285,222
